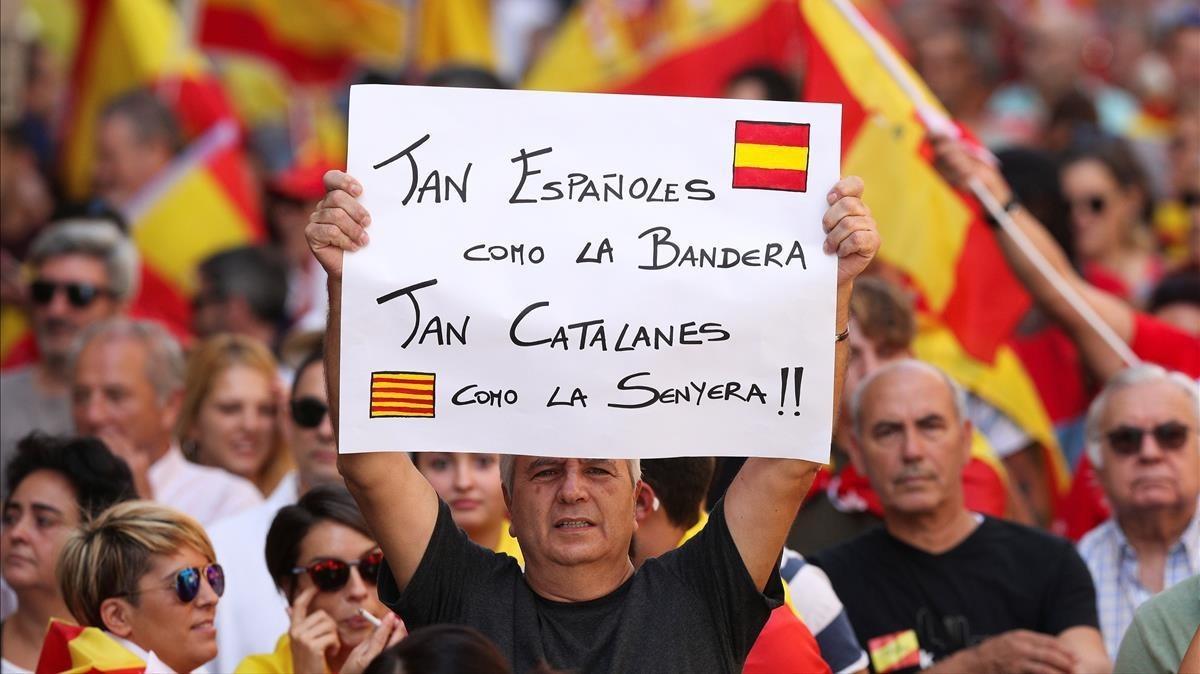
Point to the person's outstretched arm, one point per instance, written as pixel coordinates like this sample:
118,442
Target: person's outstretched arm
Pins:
398,503
766,494
959,166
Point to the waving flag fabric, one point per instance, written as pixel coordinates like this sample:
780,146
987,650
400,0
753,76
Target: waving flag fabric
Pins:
935,235
70,649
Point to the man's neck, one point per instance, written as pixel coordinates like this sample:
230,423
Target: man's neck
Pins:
1154,531
34,611
934,532
50,377
654,537
578,583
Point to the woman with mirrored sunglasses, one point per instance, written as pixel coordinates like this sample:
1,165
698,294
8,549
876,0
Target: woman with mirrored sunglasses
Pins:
1108,197
323,559
146,576
230,416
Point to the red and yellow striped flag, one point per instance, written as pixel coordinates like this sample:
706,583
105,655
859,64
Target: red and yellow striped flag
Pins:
70,649
402,394
770,156
891,652
935,236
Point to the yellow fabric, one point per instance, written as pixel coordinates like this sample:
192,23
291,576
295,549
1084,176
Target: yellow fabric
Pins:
136,43
455,32
981,449
94,651
509,546
277,662
367,28
193,219
605,43
756,155
13,328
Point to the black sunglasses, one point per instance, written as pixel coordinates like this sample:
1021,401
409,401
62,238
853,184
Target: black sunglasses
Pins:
1127,440
1095,204
1190,199
79,295
308,412
187,582
331,575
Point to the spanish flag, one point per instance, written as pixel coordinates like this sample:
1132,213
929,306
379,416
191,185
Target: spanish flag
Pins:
402,394
70,649
970,302
892,652
770,156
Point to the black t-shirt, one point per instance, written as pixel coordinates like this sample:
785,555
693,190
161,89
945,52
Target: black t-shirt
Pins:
694,609
1002,577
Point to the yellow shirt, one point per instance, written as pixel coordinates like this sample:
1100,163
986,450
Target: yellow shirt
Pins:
279,662
508,545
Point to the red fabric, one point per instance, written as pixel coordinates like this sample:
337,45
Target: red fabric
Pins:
983,490
1052,361
245,30
23,352
785,646
1166,345
1084,507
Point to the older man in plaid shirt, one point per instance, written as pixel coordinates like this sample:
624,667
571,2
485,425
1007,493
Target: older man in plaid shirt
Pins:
1142,437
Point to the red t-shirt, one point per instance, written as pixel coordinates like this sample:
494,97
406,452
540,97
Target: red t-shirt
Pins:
1164,344
785,646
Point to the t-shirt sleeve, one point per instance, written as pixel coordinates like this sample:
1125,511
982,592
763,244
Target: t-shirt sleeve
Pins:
711,564
1166,345
452,572
1071,600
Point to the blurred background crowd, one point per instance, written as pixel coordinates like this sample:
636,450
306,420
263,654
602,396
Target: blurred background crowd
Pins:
161,159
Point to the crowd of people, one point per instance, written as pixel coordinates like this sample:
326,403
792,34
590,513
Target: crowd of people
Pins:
174,496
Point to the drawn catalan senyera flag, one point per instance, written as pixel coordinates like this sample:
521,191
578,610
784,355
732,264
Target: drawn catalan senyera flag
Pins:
402,394
770,156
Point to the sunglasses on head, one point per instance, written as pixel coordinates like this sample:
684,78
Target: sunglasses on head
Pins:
187,582
79,295
1127,440
331,575
1094,204
308,412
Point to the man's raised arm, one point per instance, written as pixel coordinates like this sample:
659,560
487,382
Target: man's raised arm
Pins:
766,494
399,504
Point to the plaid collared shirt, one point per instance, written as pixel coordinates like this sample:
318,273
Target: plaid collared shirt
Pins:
1114,566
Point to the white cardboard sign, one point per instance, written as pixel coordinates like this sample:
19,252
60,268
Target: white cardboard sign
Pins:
589,275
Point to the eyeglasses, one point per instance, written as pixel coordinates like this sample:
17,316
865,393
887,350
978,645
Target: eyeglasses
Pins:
331,575
308,412
1094,204
1127,440
79,295
187,582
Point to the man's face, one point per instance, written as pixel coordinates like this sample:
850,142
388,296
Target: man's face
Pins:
568,512
58,319
112,394
124,164
313,447
866,356
1156,475
911,441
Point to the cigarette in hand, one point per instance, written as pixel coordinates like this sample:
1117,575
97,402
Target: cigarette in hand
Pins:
375,622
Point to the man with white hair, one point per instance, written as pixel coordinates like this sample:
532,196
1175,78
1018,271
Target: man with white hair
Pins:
938,586
1141,437
83,271
580,604
126,389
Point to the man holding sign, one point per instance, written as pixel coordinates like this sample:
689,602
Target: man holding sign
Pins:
579,603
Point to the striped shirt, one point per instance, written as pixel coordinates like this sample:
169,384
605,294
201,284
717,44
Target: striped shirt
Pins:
1114,566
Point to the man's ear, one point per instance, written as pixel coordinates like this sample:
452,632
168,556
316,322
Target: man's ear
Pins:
512,526
855,451
117,616
644,502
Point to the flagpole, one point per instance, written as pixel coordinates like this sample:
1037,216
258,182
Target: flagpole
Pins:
938,122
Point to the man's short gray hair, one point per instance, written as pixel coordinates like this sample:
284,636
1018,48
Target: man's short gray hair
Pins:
1145,373
956,391
97,238
508,467
164,357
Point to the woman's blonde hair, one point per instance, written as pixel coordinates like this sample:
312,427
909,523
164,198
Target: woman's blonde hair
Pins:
206,362
107,556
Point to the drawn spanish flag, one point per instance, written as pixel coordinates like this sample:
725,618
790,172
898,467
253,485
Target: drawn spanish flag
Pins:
402,394
770,156
894,651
